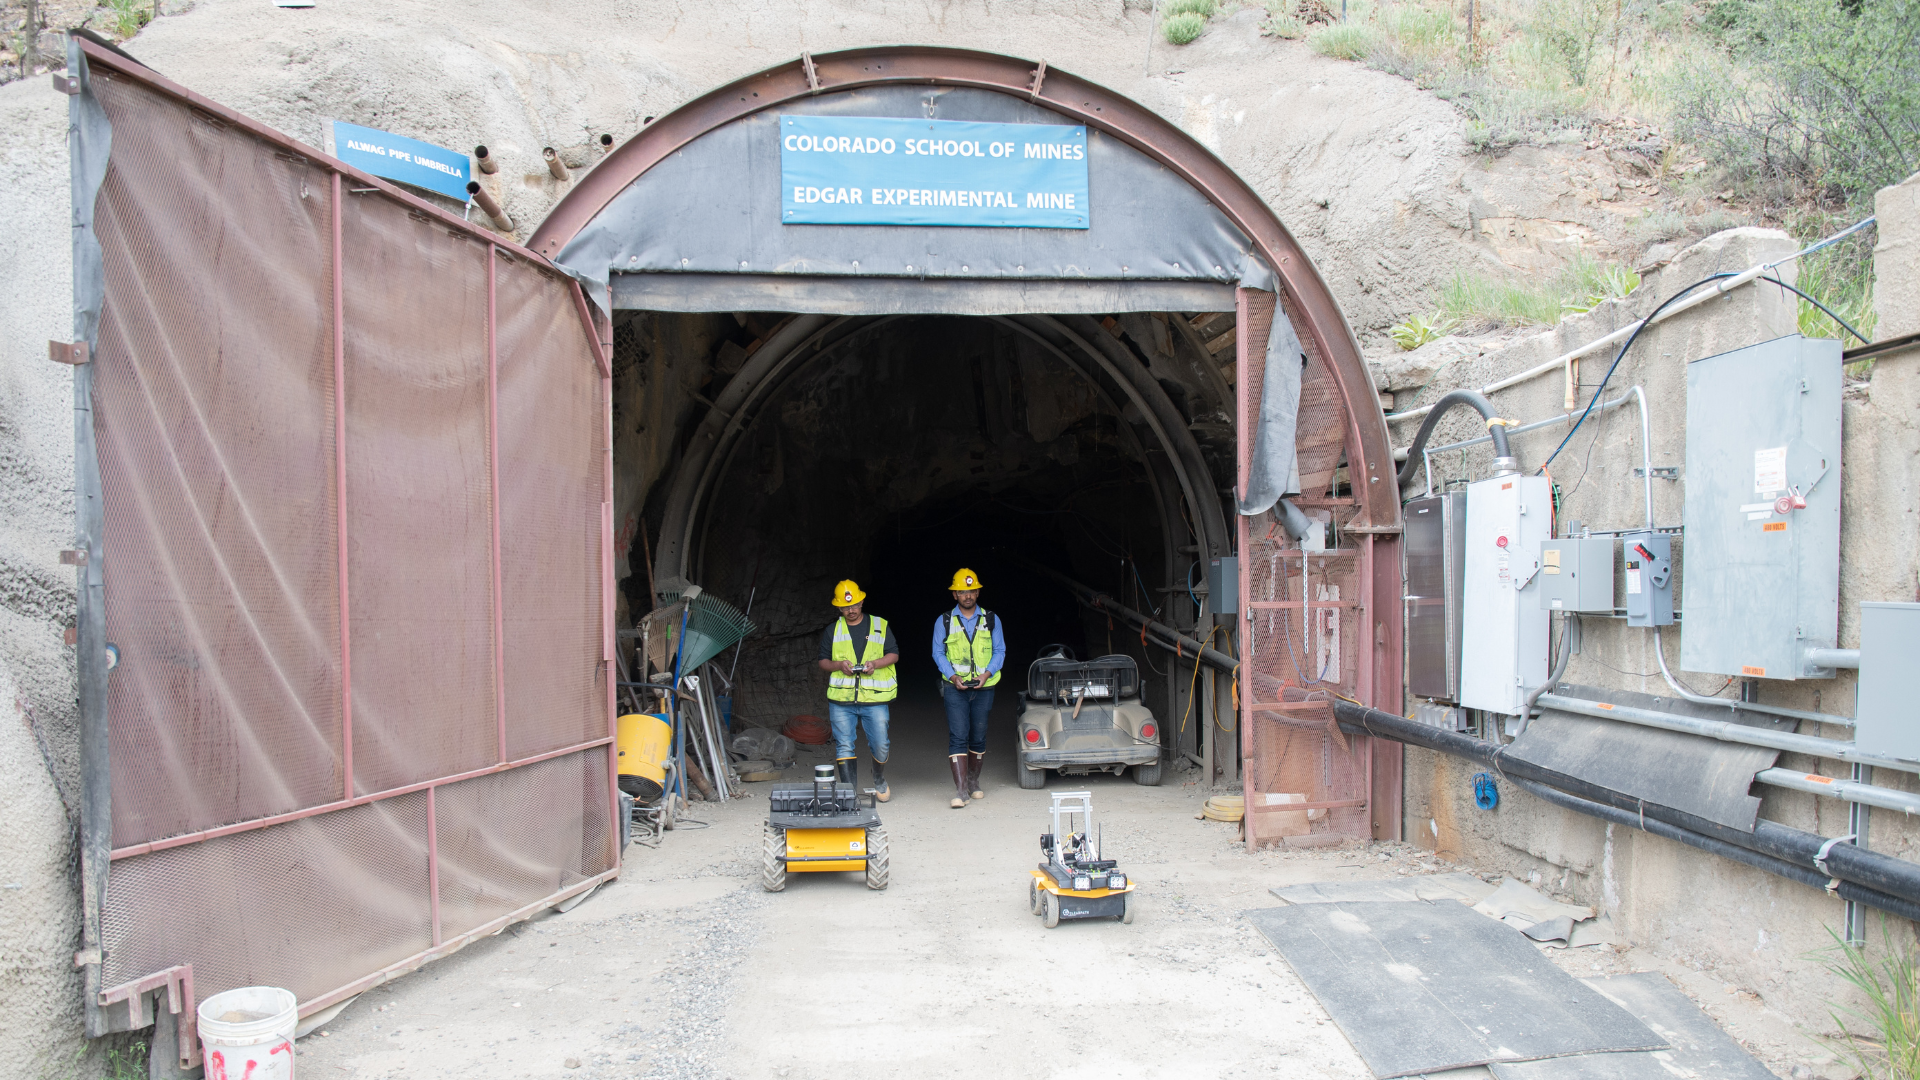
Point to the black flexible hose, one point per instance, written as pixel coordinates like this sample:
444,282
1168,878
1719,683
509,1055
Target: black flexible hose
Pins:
1878,874
1847,890
1472,398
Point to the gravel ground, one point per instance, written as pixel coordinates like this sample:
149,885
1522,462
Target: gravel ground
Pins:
684,968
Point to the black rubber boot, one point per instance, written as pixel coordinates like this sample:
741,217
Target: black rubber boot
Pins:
974,764
847,771
960,793
880,781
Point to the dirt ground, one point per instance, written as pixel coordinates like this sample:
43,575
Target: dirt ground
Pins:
686,968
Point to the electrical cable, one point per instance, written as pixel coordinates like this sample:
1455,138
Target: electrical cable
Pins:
1624,346
1496,428
1829,311
1195,681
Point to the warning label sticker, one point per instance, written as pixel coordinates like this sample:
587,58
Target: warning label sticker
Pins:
1770,470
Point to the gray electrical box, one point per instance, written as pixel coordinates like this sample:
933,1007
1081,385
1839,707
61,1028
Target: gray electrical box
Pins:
1576,574
1762,540
1647,558
1223,585
1435,550
1885,719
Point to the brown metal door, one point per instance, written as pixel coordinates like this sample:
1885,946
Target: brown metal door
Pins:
346,617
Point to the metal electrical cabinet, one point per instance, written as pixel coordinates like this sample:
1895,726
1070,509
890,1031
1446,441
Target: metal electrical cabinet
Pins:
1435,545
1576,574
1761,552
1504,625
1885,720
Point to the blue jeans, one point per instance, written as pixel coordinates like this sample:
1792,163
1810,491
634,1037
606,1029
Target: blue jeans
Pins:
966,718
870,717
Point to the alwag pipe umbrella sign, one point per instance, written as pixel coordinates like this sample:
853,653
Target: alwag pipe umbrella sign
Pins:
873,170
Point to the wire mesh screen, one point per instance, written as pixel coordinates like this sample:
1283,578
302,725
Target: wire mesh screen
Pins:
351,460
1304,618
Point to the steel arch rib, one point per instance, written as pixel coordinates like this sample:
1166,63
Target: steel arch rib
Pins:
1070,96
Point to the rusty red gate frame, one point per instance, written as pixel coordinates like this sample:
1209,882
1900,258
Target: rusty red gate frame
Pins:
1355,779
350,540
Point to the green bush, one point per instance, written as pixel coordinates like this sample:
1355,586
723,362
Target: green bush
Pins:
1882,1037
1816,97
1344,41
1206,9
1184,27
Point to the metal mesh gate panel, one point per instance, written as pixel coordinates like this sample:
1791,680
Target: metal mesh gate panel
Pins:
1306,620
352,460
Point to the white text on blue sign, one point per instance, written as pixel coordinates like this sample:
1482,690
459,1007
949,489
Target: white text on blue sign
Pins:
871,170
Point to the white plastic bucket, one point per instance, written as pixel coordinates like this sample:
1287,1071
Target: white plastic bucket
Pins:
247,1034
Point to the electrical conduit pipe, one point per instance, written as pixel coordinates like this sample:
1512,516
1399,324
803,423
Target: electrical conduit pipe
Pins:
1863,875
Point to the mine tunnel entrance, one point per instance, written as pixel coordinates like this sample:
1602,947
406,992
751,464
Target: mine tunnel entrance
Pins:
1085,360
902,449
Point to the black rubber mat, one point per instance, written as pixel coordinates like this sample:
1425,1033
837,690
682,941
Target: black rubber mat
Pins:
1699,1048
1422,987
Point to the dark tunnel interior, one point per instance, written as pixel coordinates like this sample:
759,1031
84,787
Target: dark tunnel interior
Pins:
921,445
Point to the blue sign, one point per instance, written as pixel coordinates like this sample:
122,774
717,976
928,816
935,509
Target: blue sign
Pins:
871,170
397,157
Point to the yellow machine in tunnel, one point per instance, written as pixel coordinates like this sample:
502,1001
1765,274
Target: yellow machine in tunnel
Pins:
822,826
643,742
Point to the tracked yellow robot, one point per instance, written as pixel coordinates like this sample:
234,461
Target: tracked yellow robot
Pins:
821,827
1074,881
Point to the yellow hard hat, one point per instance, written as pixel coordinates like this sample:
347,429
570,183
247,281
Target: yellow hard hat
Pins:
964,578
847,594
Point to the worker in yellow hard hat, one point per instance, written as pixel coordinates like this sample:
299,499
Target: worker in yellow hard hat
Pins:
969,647
858,653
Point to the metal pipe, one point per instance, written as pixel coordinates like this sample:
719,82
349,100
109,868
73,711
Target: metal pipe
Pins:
479,195
1852,791
1646,454
1727,731
1660,654
1524,428
1847,890
606,144
487,162
554,165
1873,878
1834,658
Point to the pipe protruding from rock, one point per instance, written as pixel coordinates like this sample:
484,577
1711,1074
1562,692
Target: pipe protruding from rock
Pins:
486,202
554,165
487,162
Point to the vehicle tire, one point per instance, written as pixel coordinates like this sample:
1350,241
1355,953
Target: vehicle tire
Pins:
1050,910
879,862
773,859
1126,909
1146,775
1030,779
1033,895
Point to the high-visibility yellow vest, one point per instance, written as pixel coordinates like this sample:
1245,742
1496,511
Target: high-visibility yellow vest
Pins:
874,686
971,655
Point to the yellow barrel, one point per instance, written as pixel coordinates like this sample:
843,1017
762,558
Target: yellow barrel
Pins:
643,743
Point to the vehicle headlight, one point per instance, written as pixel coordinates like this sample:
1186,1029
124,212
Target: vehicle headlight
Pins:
1117,881
1082,883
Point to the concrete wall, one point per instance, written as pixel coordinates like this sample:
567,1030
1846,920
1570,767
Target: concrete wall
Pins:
1753,929
39,904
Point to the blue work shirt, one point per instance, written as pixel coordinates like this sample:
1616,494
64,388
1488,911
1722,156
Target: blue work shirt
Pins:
998,629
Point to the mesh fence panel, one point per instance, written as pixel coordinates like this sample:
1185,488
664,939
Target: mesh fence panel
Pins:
215,424
214,420
510,838
419,505
550,571
309,905
1303,642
